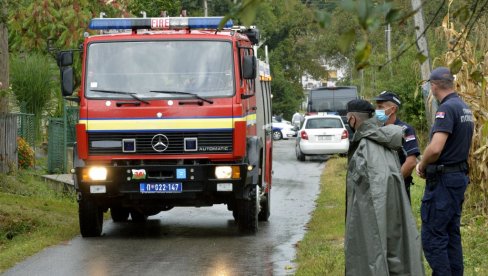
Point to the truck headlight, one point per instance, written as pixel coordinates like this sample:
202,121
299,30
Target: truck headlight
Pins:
227,172
97,173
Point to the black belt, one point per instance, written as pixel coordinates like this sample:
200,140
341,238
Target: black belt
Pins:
450,168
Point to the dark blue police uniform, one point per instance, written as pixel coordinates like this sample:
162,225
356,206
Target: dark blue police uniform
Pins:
446,183
410,147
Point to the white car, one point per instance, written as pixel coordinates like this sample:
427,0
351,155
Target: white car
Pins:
320,135
283,130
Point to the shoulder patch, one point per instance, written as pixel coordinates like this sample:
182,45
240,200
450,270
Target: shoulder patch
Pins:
440,115
409,138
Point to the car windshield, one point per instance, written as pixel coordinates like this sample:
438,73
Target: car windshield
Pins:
203,68
324,123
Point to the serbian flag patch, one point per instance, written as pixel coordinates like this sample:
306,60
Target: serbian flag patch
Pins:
409,138
440,115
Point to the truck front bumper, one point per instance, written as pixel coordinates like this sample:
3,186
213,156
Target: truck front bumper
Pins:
176,185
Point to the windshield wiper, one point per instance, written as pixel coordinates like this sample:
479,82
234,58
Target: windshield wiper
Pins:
132,94
183,93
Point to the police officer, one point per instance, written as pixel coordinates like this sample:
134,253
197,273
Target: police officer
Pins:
387,105
444,165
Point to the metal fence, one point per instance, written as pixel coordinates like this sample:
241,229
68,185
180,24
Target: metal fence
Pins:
61,135
26,128
56,150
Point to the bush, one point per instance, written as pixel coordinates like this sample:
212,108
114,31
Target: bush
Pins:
25,154
32,77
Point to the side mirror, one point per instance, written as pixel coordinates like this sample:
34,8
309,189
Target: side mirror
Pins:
65,58
67,81
249,67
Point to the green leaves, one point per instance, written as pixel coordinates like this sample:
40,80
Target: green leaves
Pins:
455,66
420,58
245,12
346,40
393,15
363,52
477,76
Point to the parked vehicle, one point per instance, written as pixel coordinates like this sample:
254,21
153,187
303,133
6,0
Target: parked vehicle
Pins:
320,135
283,130
330,100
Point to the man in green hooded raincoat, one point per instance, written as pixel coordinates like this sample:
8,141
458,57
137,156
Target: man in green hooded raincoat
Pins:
381,234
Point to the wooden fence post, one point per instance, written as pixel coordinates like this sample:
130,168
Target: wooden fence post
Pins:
8,142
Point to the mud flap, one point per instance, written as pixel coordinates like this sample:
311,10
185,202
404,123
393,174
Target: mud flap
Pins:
254,146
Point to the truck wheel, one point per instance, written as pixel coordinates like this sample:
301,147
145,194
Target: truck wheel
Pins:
265,211
248,213
235,214
119,214
277,135
91,218
138,216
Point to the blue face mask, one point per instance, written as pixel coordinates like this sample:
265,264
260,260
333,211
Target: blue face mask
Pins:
381,115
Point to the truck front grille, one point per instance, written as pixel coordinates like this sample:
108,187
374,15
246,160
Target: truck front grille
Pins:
207,142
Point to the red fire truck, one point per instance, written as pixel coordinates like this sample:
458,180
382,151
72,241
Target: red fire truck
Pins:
173,112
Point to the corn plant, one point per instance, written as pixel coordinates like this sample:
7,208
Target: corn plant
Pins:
468,59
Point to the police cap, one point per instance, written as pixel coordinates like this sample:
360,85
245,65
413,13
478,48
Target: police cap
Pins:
441,73
388,96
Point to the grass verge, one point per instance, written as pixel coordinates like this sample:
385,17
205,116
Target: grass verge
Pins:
32,217
321,252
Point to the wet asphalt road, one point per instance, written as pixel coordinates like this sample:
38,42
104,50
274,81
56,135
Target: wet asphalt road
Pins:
197,241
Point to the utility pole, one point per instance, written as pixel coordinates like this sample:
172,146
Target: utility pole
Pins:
388,47
425,67
205,7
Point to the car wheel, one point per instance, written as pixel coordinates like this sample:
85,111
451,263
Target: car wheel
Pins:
277,135
299,153
248,213
119,214
91,218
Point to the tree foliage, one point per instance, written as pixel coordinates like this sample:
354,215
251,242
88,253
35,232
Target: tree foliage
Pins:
153,8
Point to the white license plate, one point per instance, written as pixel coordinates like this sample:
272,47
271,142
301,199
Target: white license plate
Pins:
161,188
324,138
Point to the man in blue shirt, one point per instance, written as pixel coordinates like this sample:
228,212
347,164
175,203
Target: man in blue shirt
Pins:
445,168
387,105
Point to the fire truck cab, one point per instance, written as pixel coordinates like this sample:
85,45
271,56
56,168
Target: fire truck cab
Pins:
172,112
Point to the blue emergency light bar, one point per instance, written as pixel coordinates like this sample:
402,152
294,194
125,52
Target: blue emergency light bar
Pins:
157,23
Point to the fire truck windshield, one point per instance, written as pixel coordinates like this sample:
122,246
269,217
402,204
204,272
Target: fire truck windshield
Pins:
202,68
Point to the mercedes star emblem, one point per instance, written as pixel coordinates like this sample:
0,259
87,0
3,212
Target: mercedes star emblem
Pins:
160,142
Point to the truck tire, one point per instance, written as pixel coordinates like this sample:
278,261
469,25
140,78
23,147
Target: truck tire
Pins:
138,216
91,218
119,214
265,211
248,213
